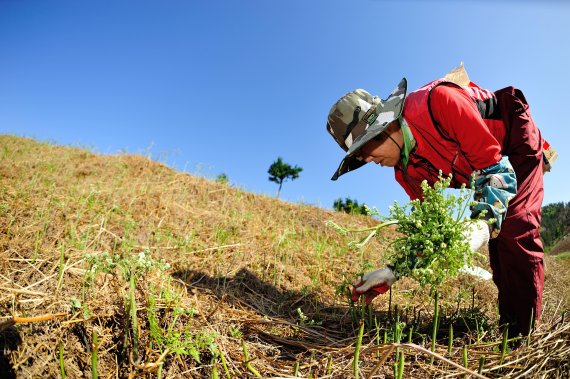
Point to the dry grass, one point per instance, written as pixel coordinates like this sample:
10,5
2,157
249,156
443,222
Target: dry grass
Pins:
243,268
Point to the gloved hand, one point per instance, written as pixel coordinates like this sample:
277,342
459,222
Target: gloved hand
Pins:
373,284
478,235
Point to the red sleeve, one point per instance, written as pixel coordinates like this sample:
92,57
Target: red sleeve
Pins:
458,117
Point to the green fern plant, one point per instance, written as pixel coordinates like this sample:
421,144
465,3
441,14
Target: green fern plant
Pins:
431,246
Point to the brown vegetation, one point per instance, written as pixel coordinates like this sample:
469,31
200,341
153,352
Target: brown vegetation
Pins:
243,268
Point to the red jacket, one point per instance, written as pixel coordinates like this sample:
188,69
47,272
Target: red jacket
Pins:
457,130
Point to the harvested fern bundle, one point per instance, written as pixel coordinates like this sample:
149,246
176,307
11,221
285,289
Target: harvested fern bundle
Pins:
432,245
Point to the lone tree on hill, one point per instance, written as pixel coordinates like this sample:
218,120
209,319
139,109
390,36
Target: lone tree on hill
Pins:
280,172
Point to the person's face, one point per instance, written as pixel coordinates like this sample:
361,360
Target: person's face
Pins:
382,150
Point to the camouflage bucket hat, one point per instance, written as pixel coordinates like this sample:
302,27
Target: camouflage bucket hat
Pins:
358,117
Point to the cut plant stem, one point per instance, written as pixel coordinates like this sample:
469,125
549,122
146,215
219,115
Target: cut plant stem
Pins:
504,344
159,371
355,363
397,330
133,316
481,364
372,228
296,369
473,299
400,371
61,266
477,330
225,365
396,314
246,361
397,338
377,328
450,343
434,322
465,361
214,368
61,363
390,305
94,358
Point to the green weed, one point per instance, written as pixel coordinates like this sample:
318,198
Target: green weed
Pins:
235,332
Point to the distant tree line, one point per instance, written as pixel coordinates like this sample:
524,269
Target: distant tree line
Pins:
349,206
555,223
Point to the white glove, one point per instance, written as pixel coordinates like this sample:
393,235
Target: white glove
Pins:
476,271
373,284
478,235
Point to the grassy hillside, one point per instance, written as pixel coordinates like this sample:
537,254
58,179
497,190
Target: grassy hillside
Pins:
143,271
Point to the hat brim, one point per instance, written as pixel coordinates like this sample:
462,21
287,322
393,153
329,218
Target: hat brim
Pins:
395,103
349,163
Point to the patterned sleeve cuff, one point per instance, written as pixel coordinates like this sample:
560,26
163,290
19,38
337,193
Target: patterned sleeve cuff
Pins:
494,186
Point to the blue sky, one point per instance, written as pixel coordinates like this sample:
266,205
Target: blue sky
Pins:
213,87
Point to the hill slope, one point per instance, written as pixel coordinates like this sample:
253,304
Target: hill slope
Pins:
158,273
555,225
